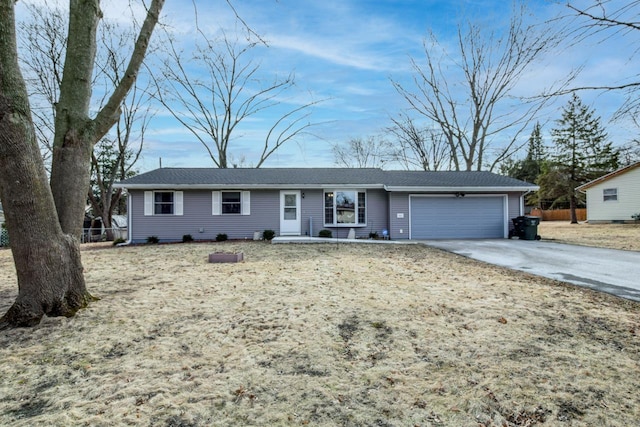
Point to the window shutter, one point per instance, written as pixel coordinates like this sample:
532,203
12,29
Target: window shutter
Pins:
246,203
148,203
177,203
215,203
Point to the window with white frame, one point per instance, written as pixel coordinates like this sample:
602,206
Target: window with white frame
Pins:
345,207
163,202
230,203
610,194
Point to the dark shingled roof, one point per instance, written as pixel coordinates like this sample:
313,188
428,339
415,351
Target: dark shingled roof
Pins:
450,179
185,177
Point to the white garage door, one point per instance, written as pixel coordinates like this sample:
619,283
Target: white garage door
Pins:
457,217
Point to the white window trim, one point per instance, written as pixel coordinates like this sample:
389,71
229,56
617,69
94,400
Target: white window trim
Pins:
149,203
216,202
335,216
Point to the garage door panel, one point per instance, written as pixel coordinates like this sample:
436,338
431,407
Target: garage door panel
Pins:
457,217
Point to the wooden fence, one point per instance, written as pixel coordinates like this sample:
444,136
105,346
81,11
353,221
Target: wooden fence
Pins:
559,214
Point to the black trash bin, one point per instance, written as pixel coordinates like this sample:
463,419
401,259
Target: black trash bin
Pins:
525,227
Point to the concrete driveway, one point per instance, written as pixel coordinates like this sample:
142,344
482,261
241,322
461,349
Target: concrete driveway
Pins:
606,270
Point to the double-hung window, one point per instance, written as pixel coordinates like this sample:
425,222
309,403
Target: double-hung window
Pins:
163,203
345,207
231,203
610,195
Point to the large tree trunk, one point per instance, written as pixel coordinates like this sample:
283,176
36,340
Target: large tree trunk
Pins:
48,265
45,222
47,262
74,130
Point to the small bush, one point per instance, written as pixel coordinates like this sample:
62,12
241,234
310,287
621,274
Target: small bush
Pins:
636,216
221,237
118,241
153,239
325,233
373,235
187,238
268,234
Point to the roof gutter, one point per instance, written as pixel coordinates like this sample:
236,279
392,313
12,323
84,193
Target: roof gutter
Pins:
241,186
467,189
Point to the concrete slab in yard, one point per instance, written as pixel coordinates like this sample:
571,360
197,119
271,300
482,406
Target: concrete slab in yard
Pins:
607,270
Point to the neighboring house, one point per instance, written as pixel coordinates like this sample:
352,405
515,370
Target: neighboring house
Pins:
613,197
172,202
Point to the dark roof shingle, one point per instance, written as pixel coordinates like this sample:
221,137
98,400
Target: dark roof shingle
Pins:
308,177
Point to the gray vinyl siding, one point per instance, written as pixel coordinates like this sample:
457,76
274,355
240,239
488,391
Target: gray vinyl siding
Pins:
383,209
399,206
514,207
377,214
197,216
311,210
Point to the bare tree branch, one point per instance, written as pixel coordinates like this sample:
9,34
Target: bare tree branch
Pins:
361,153
418,147
468,93
601,21
231,91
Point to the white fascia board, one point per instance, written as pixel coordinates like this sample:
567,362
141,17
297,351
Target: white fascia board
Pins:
242,186
461,189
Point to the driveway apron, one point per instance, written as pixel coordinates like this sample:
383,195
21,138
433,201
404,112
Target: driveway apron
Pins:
607,270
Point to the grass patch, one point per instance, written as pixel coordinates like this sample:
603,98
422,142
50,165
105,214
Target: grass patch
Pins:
353,335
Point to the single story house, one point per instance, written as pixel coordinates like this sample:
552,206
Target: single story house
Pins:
613,197
172,202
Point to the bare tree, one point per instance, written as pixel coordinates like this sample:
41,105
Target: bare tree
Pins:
361,153
213,108
469,94
602,20
45,221
43,37
418,147
115,156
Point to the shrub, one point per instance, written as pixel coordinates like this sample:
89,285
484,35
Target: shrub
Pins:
325,233
153,239
187,238
636,216
373,235
221,237
268,234
118,241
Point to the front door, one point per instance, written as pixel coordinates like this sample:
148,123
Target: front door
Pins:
290,213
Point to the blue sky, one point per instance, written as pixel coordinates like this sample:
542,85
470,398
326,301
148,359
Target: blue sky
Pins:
346,51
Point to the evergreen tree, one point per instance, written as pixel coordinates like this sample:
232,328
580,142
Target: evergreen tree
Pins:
529,168
581,154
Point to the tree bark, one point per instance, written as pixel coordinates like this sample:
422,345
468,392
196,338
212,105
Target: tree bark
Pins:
76,133
45,222
48,264
572,209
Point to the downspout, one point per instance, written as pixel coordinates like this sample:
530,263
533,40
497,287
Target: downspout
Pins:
129,233
522,201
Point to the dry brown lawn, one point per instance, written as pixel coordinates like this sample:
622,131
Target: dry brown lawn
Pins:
320,335
614,236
